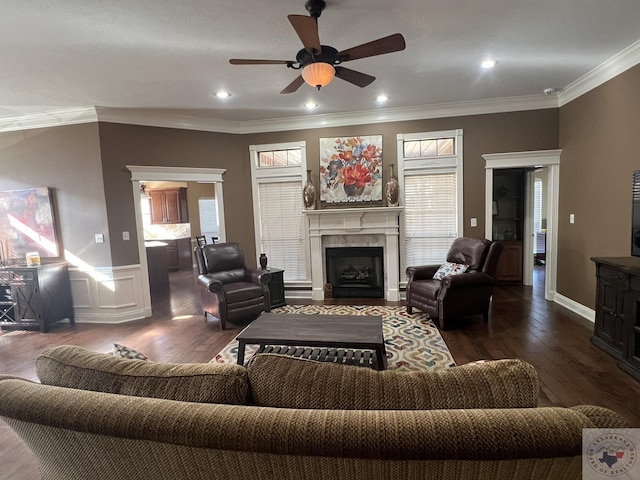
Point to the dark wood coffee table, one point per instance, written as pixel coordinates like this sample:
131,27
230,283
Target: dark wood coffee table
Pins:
361,332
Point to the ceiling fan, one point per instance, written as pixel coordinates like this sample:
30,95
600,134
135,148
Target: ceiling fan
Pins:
320,63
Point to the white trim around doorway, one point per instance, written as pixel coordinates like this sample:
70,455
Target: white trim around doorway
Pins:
531,159
175,174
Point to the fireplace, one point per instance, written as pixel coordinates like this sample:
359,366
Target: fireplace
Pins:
355,272
376,227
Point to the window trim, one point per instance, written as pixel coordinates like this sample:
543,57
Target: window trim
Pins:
425,165
275,174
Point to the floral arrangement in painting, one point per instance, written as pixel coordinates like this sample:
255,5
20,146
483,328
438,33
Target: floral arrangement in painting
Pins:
351,169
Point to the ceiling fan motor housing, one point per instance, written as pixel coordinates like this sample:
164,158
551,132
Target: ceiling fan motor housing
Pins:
315,7
329,55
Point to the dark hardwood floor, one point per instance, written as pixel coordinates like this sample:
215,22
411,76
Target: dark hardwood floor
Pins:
522,325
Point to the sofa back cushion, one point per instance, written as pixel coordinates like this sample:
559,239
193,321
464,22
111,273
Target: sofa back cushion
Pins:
75,367
289,382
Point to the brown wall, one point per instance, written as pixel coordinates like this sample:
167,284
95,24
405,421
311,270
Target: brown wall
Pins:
66,159
71,158
123,145
600,141
495,133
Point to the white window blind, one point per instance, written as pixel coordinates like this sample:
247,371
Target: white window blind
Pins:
430,217
281,225
537,205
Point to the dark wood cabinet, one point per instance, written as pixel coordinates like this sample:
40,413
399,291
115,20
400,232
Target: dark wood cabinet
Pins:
169,206
510,263
178,253
617,323
276,287
35,297
508,222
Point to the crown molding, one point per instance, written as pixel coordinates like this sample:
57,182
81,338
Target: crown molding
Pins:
421,112
159,119
166,120
619,63
49,118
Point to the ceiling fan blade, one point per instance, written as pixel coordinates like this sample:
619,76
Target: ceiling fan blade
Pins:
357,78
293,86
307,29
247,61
392,43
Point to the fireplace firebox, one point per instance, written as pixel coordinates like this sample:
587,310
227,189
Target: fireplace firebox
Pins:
355,271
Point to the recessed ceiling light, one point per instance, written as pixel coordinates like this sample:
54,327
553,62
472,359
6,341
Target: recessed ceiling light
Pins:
310,105
382,98
223,94
488,63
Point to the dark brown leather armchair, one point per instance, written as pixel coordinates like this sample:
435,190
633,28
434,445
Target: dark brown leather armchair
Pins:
229,289
456,295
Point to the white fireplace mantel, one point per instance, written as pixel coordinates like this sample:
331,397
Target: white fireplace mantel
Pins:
372,222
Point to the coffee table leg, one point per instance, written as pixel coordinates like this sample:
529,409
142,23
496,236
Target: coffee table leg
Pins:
241,346
381,357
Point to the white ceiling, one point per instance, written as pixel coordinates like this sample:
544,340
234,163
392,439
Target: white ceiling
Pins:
161,56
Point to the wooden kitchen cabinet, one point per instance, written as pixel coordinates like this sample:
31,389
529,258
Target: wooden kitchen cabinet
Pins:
509,268
169,206
178,253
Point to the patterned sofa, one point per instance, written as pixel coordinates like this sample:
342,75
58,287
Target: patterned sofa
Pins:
97,416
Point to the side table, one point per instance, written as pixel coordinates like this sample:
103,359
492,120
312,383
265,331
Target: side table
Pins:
276,287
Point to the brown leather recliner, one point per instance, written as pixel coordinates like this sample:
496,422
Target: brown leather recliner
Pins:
229,289
468,293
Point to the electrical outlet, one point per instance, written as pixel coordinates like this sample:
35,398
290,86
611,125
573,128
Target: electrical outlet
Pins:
572,218
474,222
99,237
125,236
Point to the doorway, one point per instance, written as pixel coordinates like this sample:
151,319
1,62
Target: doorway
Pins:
173,174
550,160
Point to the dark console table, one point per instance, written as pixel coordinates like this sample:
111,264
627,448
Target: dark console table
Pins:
617,326
35,297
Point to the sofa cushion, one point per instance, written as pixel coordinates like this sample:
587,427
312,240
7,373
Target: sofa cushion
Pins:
289,382
75,367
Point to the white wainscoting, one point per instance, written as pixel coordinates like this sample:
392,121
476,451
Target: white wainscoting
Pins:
108,294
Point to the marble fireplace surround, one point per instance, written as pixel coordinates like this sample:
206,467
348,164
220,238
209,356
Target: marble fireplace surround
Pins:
355,227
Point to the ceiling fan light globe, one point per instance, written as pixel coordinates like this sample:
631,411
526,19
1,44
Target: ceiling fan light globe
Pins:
318,74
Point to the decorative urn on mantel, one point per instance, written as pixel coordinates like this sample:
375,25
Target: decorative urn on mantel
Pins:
309,193
392,189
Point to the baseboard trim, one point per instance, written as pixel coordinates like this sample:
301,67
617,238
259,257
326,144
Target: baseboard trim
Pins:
113,318
575,307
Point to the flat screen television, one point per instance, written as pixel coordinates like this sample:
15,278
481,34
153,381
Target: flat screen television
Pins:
27,224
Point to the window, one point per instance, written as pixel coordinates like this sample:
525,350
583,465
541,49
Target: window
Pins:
430,176
537,205
277,176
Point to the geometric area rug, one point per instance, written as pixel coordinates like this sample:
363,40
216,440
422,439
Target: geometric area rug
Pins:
412,342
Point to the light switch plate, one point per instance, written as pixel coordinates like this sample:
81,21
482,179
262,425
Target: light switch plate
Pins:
572,218
474,222
99,237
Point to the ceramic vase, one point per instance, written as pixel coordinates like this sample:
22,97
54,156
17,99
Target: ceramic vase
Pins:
309,193
263,261
392,190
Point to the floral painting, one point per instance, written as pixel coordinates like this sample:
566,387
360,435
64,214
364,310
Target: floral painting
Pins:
27,224
351,171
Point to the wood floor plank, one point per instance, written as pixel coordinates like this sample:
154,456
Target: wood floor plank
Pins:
522,325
